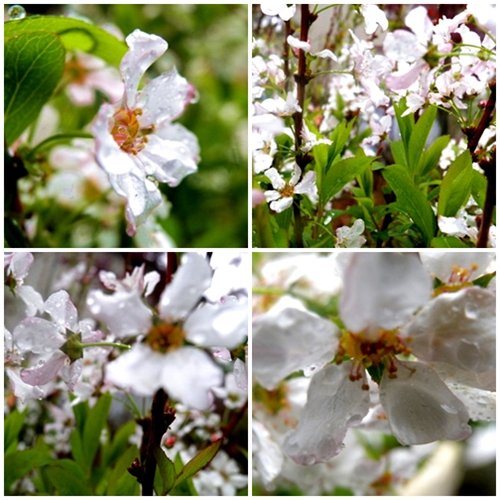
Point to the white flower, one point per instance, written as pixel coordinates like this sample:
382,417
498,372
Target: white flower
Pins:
452,337
164,360
306,47
56,343
374,17
283,10
351,237
281,197
136,142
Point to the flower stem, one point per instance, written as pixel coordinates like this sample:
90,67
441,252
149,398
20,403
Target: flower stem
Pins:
57,139
105,344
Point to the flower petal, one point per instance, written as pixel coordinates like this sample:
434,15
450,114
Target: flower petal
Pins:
458,329
480,404
442,264
420,407
164,98
267,455
144,50
19,264
32,299
281,204
186,289
334,403
47,371
38,336
276,179
218,325
382,290
62,310
188,374
290,341
308,187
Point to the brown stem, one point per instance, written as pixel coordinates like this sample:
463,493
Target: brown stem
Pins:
489,203
474,135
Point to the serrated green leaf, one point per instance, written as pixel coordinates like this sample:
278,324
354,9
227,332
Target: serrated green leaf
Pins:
430,158
34,64
68,478
419,136
456,185
411,200
19,462
202,459
341,173
94,424
447,242
75,34
165,473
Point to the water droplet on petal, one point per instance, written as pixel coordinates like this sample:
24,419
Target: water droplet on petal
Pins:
471,311
449,409
16,12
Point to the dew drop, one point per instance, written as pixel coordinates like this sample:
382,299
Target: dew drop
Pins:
309,371
471,311
449,409
16,12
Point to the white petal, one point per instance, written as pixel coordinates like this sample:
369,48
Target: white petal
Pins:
457,328
334,403
420,407
480,404
218,325
308,187
186,289
32,299
123,313
290,341
442,264
151,279
281,204
188,374
298,44
164,98
144,50
47,371
37,335
276,179
62,310
267,455
374,16
19,264
382,290
138,370
70,373
153,198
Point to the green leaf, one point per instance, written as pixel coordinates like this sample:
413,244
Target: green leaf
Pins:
284,218
419,136
120,443
34,64
18,463
484,280
398,152
165,472
447,242
430,158
478,187
341,173
12,427
68,478
77,450
75,34
199,461
405,123
339,138
94,424
116,483
456,185
411,200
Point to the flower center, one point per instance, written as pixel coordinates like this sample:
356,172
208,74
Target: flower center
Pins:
273,401
287,191
127,132
75,71
460,277
367,353
165,337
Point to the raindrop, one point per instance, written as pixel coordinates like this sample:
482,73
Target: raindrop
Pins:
449,409
471,311
16,12
310,370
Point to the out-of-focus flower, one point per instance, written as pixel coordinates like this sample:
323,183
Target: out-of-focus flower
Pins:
136,142
56,343
164,359
374,17
351,236
281,197
283,10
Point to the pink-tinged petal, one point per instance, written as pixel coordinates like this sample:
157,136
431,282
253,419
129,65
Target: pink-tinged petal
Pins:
382,291
402,45
188,375
123,313
19,264
70,373
38,336
144,50
164,98
22,390
62,310
186,289
419,22
444,265
289,341
281,204
334,403
458,329
218,325
402,81
138,370
32,299
47,371
276,179
420,407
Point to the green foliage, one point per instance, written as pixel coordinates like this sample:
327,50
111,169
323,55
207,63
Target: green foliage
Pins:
447,242
68,478
34,64
165,473
12,427
18,463
411,200
418,138
456,185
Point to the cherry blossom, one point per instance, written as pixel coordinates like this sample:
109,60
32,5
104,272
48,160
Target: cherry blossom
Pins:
136,142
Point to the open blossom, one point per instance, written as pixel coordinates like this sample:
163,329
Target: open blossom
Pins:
55,342
436,350
172,352
281,197
283,10
136,142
